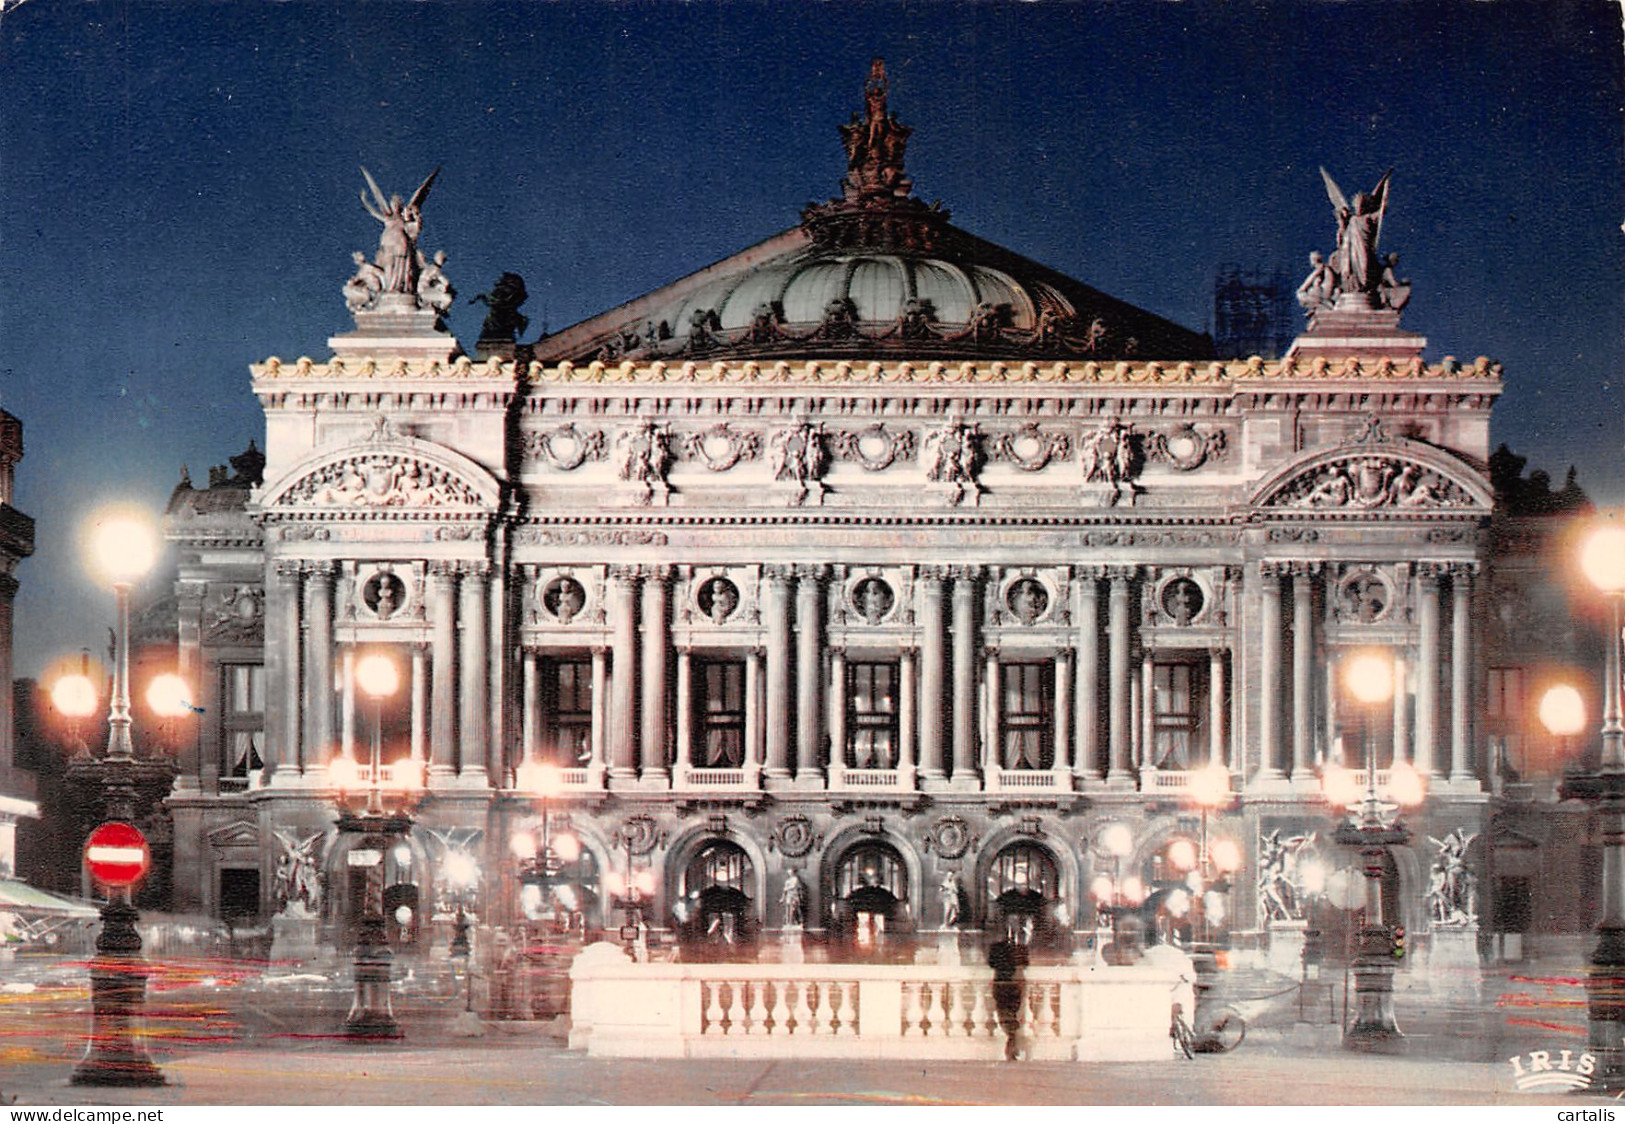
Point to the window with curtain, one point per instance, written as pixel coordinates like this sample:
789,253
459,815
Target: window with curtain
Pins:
871,715
1026,721
568,706
719,707
1179,715
242,720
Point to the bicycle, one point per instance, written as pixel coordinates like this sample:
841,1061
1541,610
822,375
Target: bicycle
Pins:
1180,1031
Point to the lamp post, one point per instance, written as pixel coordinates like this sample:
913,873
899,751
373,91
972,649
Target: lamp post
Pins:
371,1015
124,549
74,697
1372,829
1602,558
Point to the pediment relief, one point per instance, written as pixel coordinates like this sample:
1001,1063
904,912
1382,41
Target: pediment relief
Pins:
239,834
386,473
1396,476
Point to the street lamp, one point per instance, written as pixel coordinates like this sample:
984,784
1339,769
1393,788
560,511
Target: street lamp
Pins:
1602,558
371,1014
1372,829
123,548
1209,790
74,697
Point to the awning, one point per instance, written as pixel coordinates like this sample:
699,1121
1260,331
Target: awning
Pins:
20,897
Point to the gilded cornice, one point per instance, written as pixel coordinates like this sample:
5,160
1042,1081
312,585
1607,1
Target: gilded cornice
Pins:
824,373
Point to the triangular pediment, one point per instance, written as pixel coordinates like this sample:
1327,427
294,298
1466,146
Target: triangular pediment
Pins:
242,833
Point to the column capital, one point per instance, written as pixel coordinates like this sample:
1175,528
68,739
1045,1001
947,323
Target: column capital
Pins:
319,567
655,572
778,574
1275,569
1462,569
932,576
1429,573
1302,570
1090,573
1121,575
443,572
964,574
625,574
811,573
474,568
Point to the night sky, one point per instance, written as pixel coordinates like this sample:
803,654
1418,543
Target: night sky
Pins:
179,186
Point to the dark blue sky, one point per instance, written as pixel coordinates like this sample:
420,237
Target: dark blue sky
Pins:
179,185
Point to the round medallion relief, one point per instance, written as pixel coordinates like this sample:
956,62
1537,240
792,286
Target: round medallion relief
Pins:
563,598
718,599
873,599
1182,600
383,594
1027,599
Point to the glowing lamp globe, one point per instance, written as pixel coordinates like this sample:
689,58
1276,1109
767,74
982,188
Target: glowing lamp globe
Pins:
377,676
1339,786
1562,711
1602,558
1210,785
1133,890
343,773
523,845
1370,678
1101,888
1405,786
567,847
1226,855
406,774
74,696
645,882
169,696
1117,840
124,547
1182,854
539,779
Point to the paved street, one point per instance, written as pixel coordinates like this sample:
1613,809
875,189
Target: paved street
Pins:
229,1035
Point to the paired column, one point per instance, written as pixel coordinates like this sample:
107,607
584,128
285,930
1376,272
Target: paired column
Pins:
443,669
932,672
964,700
1121,690
683,757
318,744
994,756
1303,647
600,681
283,663
1218,749
530,733
656,642
1461,764
906,710
755,715
777,580
809,675
474,707
1086,765
1269,694
1427,674
420,702
347,701
623,604
1063,715
837,710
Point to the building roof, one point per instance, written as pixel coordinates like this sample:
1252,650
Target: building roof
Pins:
875,272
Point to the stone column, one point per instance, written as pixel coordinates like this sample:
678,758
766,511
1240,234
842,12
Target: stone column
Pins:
1086,763
1461,765
809,676
1062,734
1218,750
993,755
474,712
347,701
837,711
443,672
497,721
683,757
932,667
319,742
1145,705
1303,647
656,642
1427,674
530,718
964,699
755,718
190,652
1269,687
600,717
777,581
1335,750
906,711
1402,714
420,702
623,612
284,687
1121,703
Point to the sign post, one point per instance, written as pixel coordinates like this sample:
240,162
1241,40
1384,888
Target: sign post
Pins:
117,857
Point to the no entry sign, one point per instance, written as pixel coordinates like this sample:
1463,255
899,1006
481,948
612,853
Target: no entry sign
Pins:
116,854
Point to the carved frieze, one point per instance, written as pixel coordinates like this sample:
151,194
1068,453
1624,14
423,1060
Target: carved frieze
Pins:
799,458
234,614
382,480
1364,483
875,448
722,446
953,459
565,448
794,837
1030,448
1186,448
643,457
548,536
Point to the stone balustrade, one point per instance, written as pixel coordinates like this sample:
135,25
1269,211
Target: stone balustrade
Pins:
1072,1011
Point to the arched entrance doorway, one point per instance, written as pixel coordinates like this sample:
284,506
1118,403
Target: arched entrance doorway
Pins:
560,893
870,911
715,915
1023,889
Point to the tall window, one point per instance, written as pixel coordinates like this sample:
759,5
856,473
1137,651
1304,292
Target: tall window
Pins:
242,720
568,705
719,708
1026,720
1178,713
1504,714
871,715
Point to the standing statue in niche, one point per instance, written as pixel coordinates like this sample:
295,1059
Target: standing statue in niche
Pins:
952,900
398,255
1453,888
794,900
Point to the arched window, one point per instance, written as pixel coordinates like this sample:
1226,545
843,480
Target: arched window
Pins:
1022,893
872,866
715,909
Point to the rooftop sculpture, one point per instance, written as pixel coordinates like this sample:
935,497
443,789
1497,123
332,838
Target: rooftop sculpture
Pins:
1356,278
400,277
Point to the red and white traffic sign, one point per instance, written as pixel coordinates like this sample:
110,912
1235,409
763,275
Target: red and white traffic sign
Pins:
116,854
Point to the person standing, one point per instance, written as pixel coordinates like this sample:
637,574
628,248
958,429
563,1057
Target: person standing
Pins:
1008,959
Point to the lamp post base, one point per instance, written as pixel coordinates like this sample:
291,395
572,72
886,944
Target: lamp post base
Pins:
371,1015
118,995
1374,1030
1605,1010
